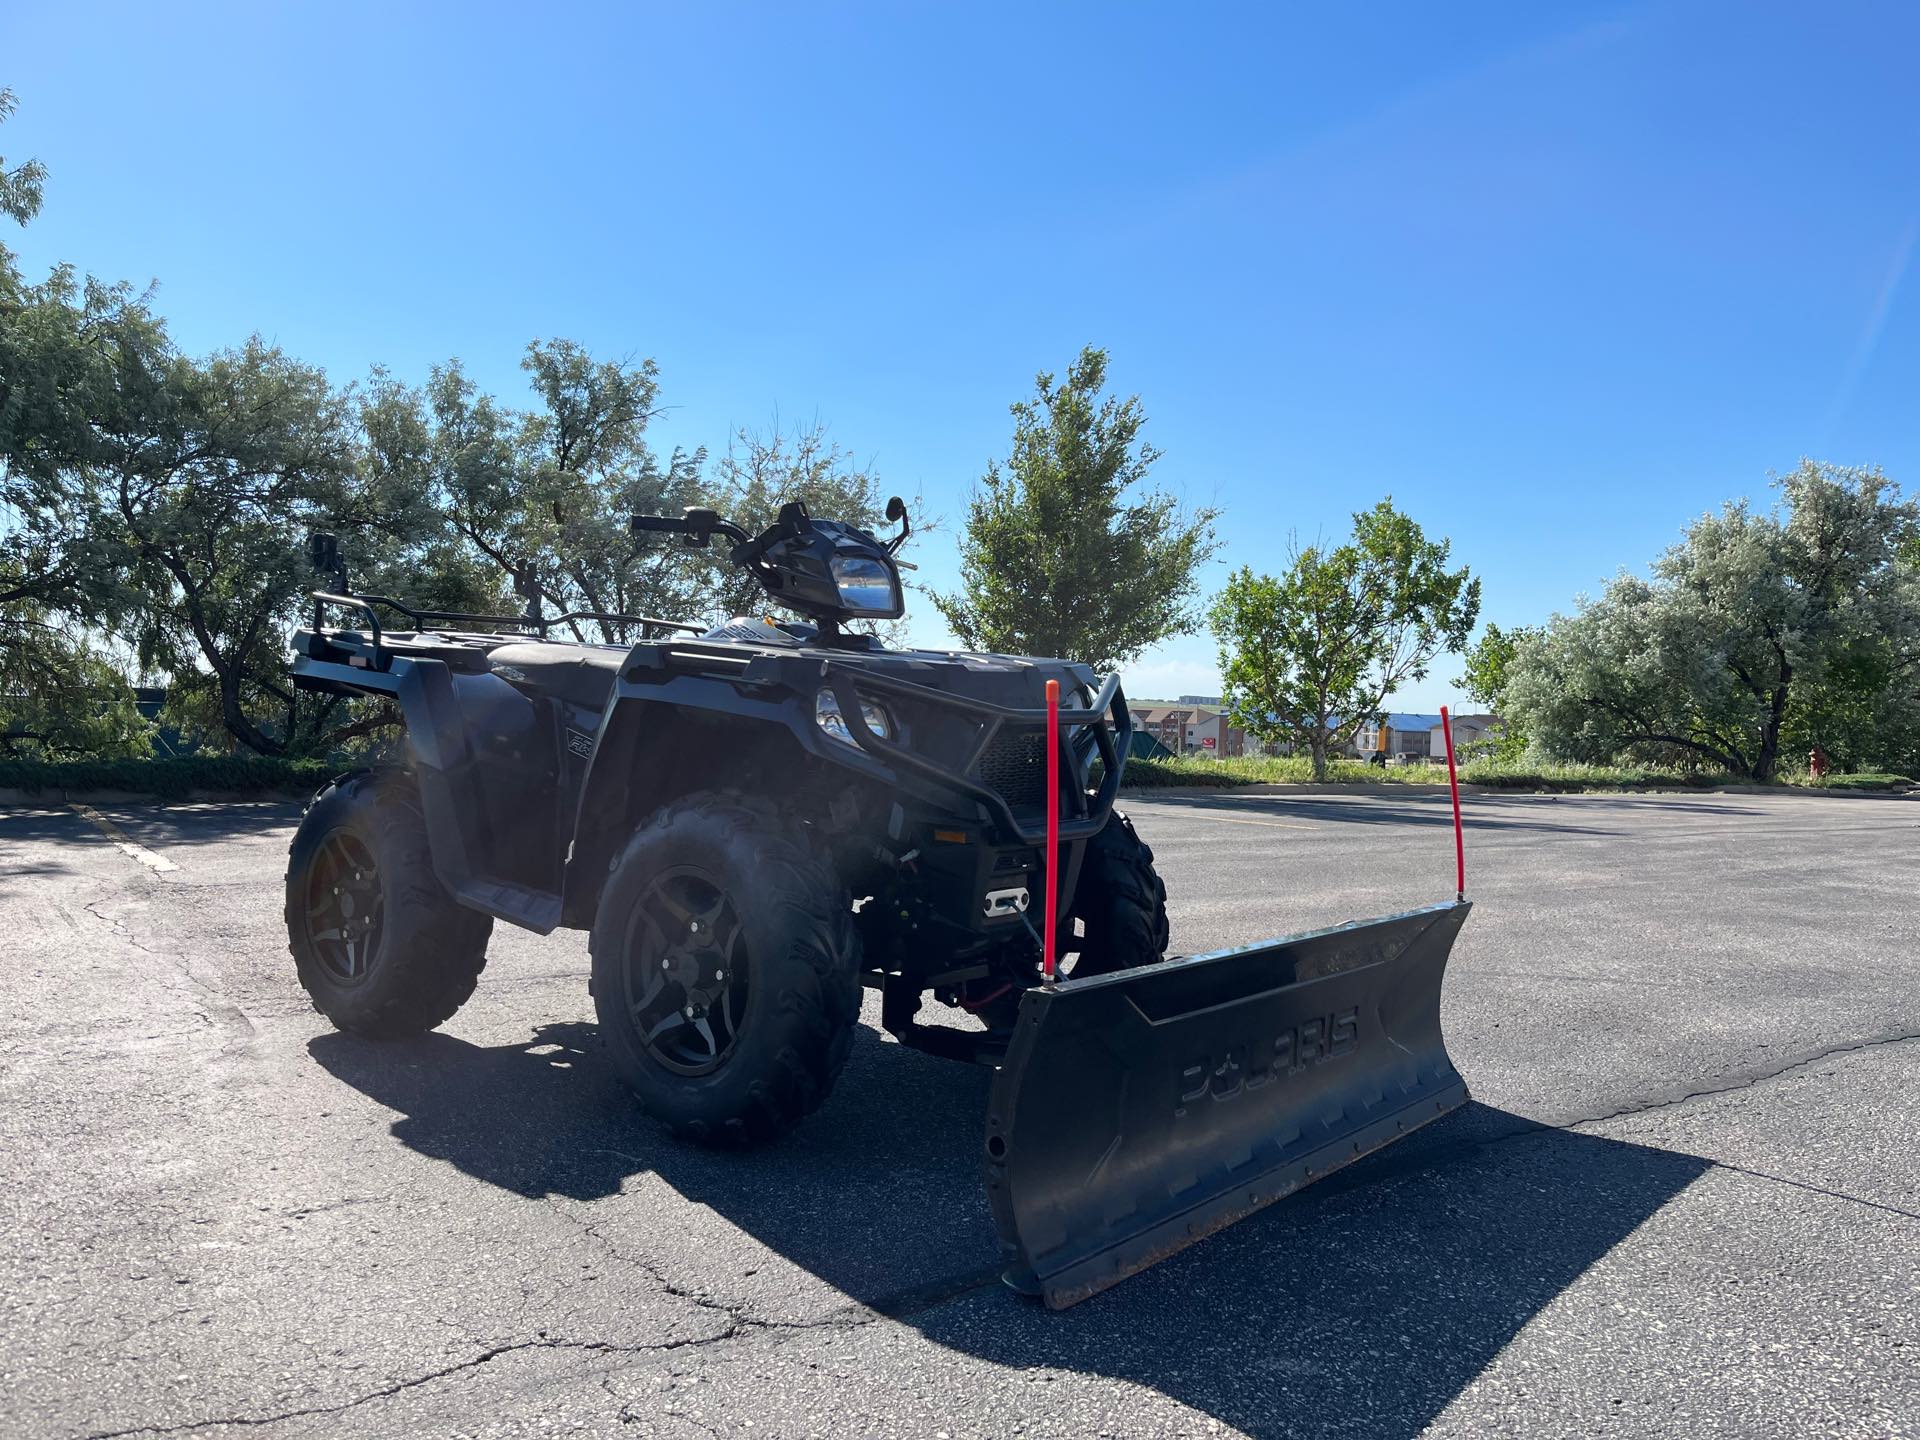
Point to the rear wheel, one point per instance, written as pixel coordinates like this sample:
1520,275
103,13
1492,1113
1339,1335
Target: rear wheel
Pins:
379,946
725,970
1120,902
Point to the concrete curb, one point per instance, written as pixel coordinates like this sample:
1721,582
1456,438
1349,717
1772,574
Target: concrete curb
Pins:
1899,792
1414,789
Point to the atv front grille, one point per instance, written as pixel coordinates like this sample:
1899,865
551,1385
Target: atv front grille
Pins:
1015,765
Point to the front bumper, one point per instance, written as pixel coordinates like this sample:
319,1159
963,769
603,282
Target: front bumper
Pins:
1099,731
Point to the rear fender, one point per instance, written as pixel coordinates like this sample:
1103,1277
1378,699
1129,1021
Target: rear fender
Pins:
444,766
492,816
436,740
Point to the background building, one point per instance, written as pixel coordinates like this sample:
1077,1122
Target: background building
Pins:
1187,727
1414,734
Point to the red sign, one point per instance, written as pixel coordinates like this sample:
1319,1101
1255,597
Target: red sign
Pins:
1207,743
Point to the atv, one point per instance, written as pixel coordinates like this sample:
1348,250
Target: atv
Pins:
754,821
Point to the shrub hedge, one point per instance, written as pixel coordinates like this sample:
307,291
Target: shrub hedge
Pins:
171,778
1494,774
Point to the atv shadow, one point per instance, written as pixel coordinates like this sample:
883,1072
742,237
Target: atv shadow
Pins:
1361,1306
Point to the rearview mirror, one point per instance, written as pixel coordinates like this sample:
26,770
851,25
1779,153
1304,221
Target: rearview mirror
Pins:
897,512
323,553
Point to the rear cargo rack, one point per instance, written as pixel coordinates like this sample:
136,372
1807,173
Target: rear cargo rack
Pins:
370,605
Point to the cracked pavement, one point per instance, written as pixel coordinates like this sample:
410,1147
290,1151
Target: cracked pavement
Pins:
1685,1200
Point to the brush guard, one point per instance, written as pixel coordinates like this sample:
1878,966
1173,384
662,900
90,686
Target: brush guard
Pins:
1140,1111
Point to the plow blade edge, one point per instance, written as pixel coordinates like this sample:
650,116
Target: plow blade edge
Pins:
1138,1112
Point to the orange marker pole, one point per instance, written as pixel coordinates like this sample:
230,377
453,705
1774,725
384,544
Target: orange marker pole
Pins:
1053,830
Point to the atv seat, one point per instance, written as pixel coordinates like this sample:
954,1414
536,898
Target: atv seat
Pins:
578,674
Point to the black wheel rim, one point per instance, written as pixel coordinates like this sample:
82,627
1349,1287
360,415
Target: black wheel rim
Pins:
687,972
345,909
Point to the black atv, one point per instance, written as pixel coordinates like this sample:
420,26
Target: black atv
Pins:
756,820
752,822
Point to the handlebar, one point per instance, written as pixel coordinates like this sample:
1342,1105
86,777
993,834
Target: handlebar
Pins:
664,523
697,525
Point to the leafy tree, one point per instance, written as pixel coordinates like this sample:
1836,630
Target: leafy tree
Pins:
162,498
1858,712
415,554
1311,656
21,187
231,463
158,503
1489,664
546,494
1705,660
1620,679
78,364
1064,553
63,347
62,696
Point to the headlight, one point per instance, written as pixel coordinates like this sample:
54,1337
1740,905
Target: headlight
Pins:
826,714
867,586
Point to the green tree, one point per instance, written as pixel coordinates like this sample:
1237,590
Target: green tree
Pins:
546,494
1311,656
1859,712
154,502
1064,551
160,502
63,697
63,345
230,463
1751,615
1489,664
416,554
22,186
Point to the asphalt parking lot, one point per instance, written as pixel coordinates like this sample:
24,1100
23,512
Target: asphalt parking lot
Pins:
1685,1200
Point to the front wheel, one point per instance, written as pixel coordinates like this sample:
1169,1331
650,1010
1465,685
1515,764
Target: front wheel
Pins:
725,971
1120,902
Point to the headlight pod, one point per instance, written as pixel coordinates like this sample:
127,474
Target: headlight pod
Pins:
827,715
867,586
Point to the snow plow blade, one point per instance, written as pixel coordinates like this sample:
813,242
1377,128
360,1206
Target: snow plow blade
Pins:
1138,1112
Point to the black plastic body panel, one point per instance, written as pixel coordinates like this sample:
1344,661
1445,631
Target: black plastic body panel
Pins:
529,797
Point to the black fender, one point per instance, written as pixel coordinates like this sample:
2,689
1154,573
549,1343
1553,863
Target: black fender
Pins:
659,742
485,759
443,765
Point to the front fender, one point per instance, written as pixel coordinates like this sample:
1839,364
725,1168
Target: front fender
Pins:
661,741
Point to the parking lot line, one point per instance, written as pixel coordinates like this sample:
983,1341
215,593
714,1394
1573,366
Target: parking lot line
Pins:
159,864
1271,824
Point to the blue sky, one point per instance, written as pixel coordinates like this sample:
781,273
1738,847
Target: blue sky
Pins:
1556,277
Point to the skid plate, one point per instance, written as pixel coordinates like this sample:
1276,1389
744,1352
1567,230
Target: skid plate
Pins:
1138,1112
